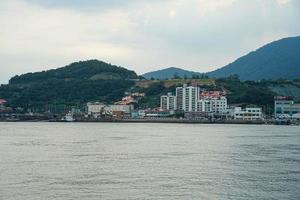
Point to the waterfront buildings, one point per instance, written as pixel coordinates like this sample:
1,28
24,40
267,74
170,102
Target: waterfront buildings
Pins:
168,102
95,109
192,99
247,113
285,107
213,105
197,115
119,108
138,114
212,102
158,113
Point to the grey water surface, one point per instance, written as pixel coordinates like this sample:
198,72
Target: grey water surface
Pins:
90,161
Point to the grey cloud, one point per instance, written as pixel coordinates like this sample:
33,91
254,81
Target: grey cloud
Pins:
88,5
143,35
228,33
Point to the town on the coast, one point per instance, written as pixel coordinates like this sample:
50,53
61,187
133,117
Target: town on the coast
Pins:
262,87
187,104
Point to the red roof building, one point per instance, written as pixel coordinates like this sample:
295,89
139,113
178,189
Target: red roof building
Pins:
126,101
212,94
2,101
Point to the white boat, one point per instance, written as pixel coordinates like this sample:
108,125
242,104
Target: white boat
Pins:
68,117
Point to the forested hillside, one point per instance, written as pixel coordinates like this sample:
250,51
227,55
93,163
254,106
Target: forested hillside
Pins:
74,84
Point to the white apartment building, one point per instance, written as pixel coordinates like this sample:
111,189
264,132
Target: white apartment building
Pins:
187,98
216,105
168,102
247,114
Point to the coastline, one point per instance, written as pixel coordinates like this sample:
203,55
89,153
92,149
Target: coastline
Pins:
166,121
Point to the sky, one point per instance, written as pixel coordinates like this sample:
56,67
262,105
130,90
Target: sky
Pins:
141,35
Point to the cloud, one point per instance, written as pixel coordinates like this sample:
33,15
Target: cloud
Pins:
44,34
142,35
283,2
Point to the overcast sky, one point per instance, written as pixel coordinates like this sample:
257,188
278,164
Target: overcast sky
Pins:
142,35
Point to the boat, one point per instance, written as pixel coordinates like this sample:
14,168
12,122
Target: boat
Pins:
68,117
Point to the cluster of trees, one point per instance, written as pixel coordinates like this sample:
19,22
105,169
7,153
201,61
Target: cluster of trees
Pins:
64,93
247,92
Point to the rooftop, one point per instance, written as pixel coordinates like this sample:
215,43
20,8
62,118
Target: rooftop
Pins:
212,94
286,98
2,101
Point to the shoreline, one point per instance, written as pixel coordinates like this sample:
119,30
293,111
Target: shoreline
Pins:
166,121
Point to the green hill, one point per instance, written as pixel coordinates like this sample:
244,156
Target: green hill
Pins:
74,84
83,70
277,60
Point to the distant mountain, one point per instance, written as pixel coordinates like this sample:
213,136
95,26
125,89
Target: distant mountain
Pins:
279,59
170,73
74,84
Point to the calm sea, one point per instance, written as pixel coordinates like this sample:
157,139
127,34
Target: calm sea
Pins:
89,161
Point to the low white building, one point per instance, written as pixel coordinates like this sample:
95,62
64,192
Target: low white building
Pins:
158,114
296,116
117,108
95,109
168,102
247,114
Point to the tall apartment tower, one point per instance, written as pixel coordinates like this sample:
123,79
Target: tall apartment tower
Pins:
187,98
168,102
